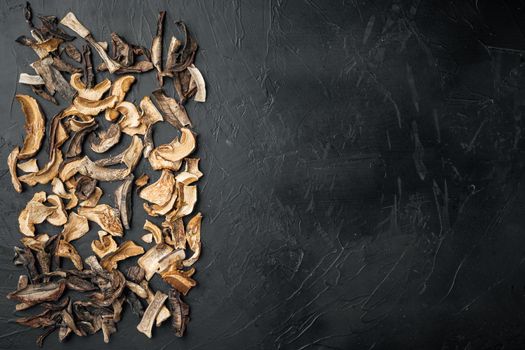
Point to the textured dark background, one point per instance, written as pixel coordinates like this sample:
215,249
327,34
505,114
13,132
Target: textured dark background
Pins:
363,164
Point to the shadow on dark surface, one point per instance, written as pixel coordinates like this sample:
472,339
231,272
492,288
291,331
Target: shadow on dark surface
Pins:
363,164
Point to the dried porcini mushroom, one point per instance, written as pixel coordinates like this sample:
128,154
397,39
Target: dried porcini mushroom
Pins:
106,139
126,250
11,163
74,182
35,126
105,216
173,152
95,93
146,324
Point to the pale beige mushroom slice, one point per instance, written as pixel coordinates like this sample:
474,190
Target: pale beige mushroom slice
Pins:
147,238
164,313
67,250
161,190
29,166
59,216
47,173
76,227
92,201
175,151
146,324
11,164
150,113
104,245
193,237
35,126
150,260
34,213
119,89
189,199
106,217
126,250
93,108
155,231
131,121
159,210
59,189
198,80
94,93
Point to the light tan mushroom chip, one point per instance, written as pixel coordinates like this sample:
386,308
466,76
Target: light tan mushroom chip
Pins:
92,201
11,164
104,140
189,198
105,216
94,93
35,212
124,251
67,250
77,226
148,237
180,280
88,107
47,173
104,245
30,166
151,313
164,313
119,89
176,150
150,113
35,126
155,231
59,189
150,260
131,122
193,236
59,216
161,190
198,80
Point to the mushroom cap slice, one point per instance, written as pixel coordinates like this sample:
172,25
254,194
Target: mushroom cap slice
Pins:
179,280
161,190
119,89
94,93
59,216
155,231
67,250
104,245
35,126
92,108
150,260
47,173
104,140
105,216
35,212
198,80
193,237
150,113
177,149
11,164
126,250
76,227
29,166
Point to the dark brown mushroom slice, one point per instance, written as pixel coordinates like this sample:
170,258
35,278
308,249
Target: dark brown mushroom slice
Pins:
135,273
75,145
24,257
187,55
180,312
173,112
136,306
102,141
85,187
171,59
123,200
28,15
88,74
148,141
72,52
50,27
137,67
182,85
37,293
156,46
48,331
122,52
63,66
54,81
41,91
79,284
40,320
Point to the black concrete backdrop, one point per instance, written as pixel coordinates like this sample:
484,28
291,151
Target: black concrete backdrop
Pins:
363,169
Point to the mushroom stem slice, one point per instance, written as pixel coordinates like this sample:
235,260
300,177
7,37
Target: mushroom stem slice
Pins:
146,324
105,216
198,79
11,164
123,199
35,126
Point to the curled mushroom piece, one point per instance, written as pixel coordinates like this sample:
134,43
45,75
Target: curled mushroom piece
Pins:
11,164
197,77
92,200
59,216
89,107
59,189
155,231
105,216
104,140
94,93
161,191
123,200
146,324
67,250
180,280
104,245
34,126
29,166
47,173
180,312
76,227
193,236
173,152
119,89
150,260
85,187
124,251
35,212
174,113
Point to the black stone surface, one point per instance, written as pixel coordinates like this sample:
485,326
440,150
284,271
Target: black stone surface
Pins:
363,169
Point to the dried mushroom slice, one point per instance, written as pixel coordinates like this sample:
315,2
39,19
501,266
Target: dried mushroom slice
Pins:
59,216
104,140
42,49
54,81
197,77
158,210
92,200
164,313
180,280
126,250
176,150
95,93
180,312
189,198
123,200
157,162
193,236
35,212
155,231
175,233
73,52
161,190
119,89
131,122
141,181
76,227
37,293
67,250
35,126
104,245
11,164
150,260
72,23
146,324
59,189
150,113
174,113
89,107
105,216
29,166
85,187
47,173
28,79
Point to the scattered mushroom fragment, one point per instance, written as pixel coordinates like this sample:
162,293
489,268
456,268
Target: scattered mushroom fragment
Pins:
106,139
164,313
90,107
76,227
34,126
123,200
156,46
11,163
47,173
196,76
180,312
174,151
150,260
126,250
94,93
161,190
93,199
105,216
104,245
35,212
119,89
28,79
146,324
193,236
29,166
67,250
174,113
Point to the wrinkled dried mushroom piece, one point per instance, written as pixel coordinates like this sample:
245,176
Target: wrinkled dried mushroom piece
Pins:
104,245
126,250
35,126
169,156
106,139
29,166
146,324
193,236
180,312
105,216
95,93
174,113
11,164
123,200
196,76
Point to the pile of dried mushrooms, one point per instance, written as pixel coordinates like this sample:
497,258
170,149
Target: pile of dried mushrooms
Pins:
98,116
